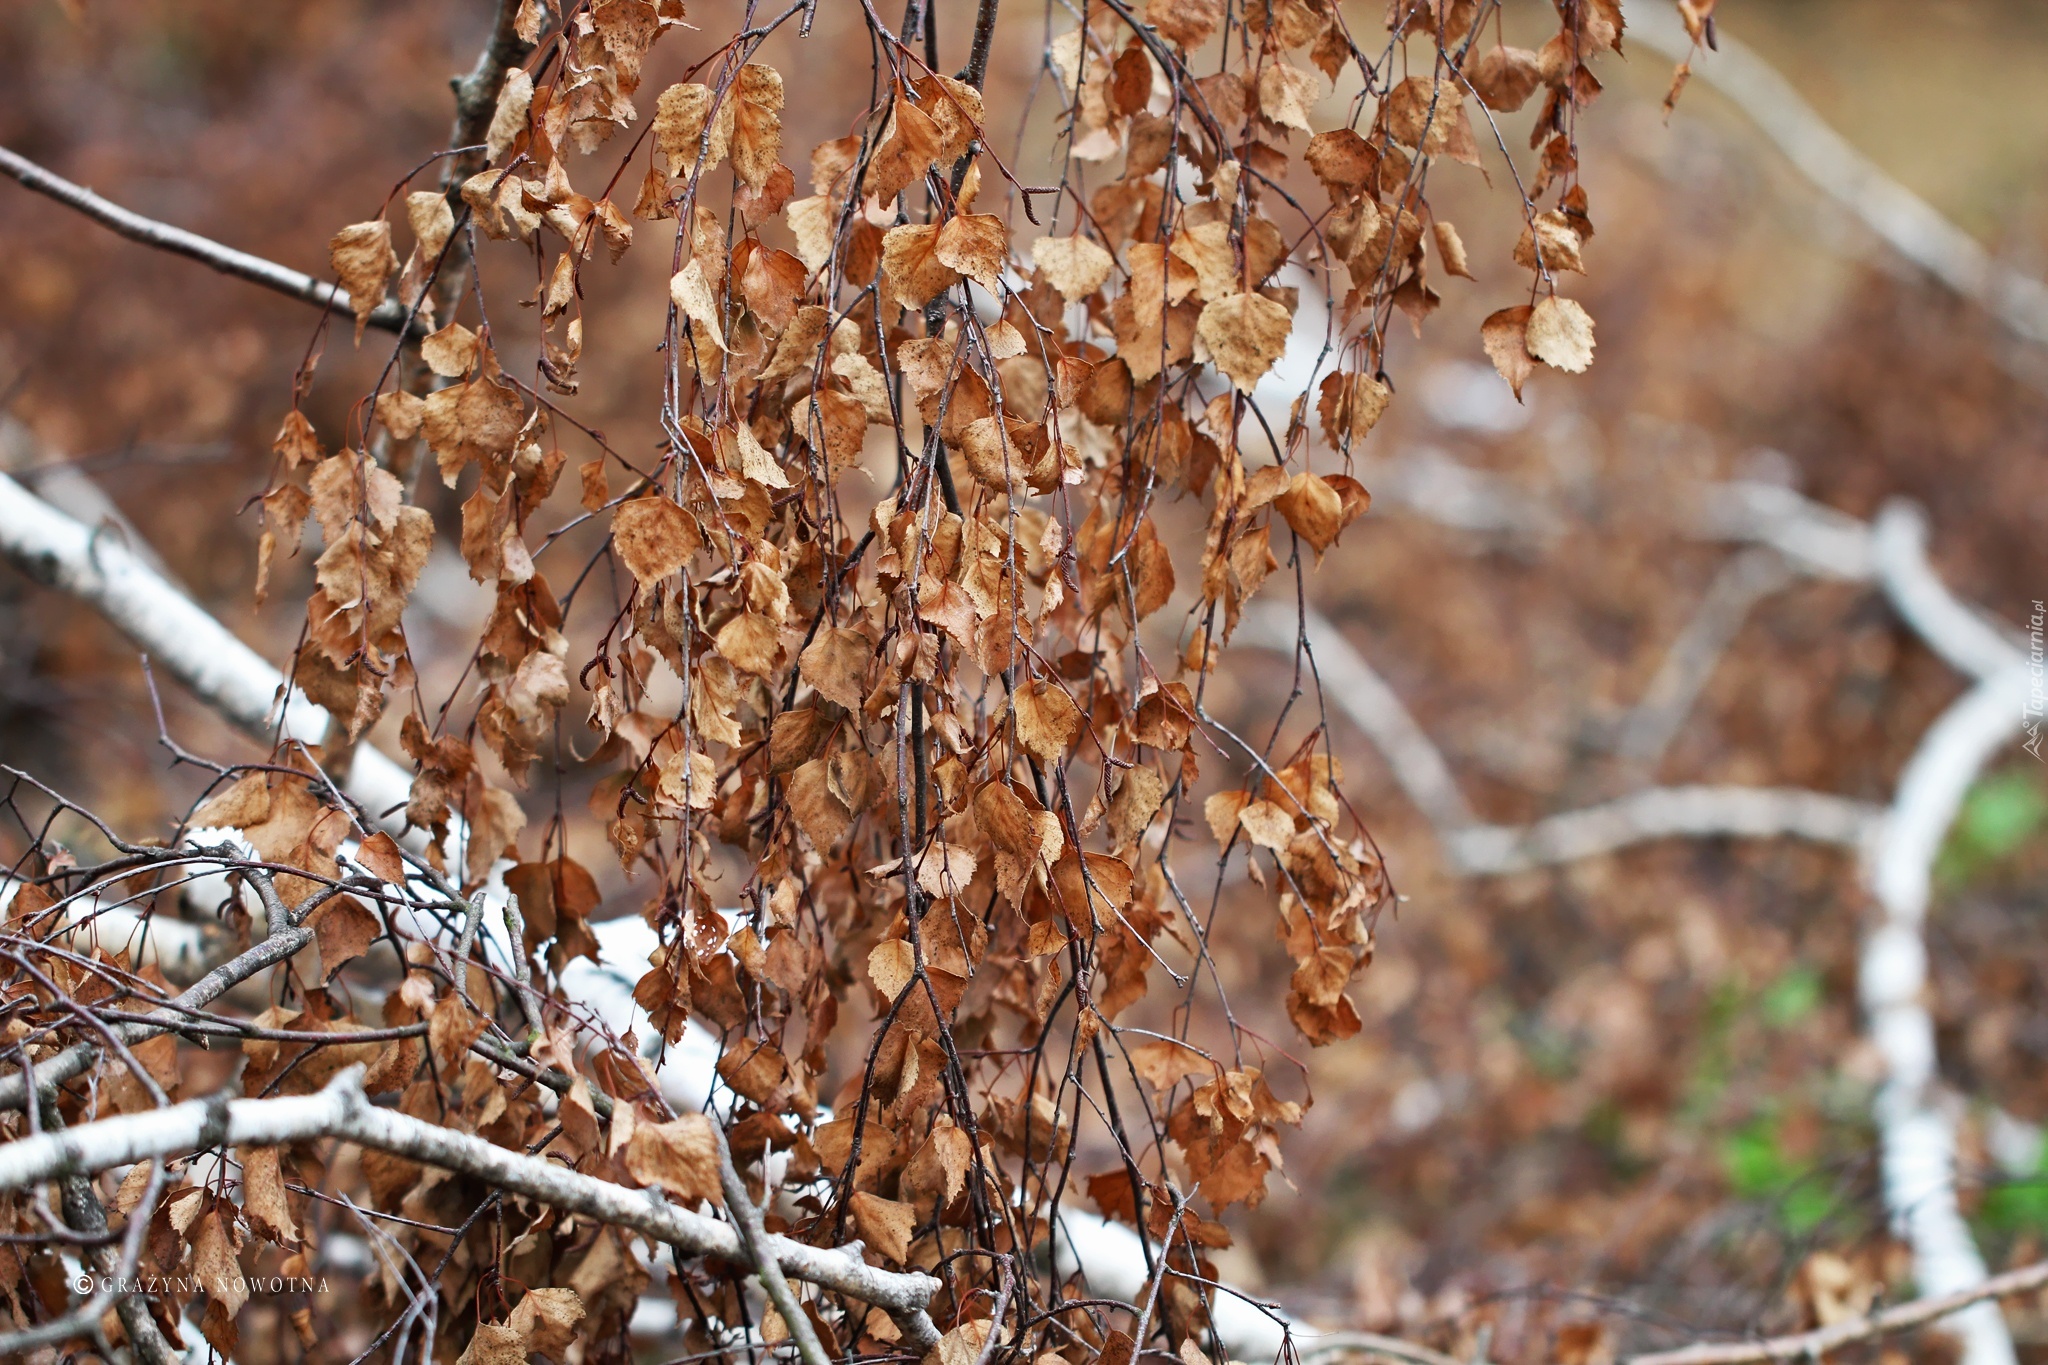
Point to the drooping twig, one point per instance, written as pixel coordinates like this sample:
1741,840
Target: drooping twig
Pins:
176,632
1417,763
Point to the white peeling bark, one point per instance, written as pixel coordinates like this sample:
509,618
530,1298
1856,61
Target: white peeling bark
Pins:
343,1112
177,633
1916,1121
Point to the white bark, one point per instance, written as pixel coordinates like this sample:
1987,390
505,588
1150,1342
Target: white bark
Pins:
1690,662
342,1111
1815,538
1902,219
1916,1121
1699,812
1918,1136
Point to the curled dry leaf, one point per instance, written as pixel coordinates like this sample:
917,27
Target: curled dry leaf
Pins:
450,353
1267,824
1351,405
1505,77
680,1156
887,1225
1312,509
891,964
680,131
364,262
1047,719
1344,161
1505,337
1450,249
693,298
835,664
756,123
911,261
509,118
1549,242
1188,23
1287,93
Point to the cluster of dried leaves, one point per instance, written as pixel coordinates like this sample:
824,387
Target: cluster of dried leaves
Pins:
950,721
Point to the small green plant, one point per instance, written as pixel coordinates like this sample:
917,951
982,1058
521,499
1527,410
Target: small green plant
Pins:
2019,1204
1999,816
1791,998
1758,1166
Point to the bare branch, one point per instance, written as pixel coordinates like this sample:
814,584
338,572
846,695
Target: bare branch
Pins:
1954,630
1902,219
1702,812
1816,538
1742,582
754,1242
342,1111
1819,1343
388,316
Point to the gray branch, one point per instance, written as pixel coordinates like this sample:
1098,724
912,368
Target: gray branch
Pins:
388,316
1902,219
343,1112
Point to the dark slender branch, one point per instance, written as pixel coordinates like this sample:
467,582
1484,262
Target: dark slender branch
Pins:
984,34
388,316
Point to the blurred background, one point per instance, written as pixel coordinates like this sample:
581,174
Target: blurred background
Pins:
1634,1085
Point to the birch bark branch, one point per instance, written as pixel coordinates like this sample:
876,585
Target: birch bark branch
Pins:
1817,1344
343,1112
1897,846
1902,219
